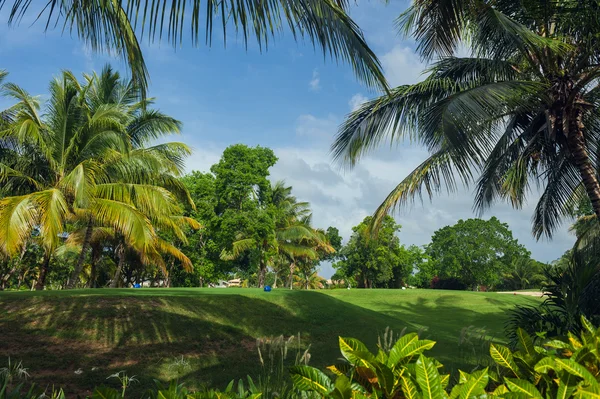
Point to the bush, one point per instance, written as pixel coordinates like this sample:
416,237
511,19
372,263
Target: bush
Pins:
572,292
450,283
556,369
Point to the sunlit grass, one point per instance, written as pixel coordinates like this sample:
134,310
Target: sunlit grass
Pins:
214,331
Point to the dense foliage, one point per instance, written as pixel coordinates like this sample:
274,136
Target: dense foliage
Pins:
476,252
550,369
472,254
538,368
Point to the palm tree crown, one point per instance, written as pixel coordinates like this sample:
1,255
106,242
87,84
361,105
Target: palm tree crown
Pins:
521,111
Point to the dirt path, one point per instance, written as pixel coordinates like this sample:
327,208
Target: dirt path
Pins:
528,293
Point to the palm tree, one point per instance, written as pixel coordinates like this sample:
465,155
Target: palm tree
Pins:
522,110
116,25
310,281
292,239
132,174
83,162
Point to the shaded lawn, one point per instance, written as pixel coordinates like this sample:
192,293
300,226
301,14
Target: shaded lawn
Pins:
144,331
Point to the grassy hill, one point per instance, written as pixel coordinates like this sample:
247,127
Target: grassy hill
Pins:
144,331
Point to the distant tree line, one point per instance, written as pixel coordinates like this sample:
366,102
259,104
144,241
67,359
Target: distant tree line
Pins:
473,254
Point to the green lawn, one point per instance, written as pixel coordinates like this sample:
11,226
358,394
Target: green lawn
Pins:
143,331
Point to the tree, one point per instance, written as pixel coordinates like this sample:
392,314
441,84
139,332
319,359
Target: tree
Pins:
523,273
84,163
523,109
474,251
373,262
113,25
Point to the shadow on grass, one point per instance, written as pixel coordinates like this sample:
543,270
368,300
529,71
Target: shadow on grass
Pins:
143,332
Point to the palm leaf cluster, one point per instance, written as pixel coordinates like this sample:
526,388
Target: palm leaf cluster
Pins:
82,167
519,113
120,25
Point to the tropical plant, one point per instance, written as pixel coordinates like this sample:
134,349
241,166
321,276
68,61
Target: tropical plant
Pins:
309,281
87,165
113,26
523,273
521,110
556,368
571,293
292,238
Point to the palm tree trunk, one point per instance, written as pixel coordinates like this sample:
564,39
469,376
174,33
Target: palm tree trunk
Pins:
95,258
79,266
121,256
576,143
41,281
292,269
261,273
275,281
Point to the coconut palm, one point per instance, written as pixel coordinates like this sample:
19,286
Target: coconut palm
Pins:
132,175
116,25
521,110
293,237
83,163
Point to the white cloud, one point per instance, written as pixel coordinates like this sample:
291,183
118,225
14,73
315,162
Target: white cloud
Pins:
315,82
314,127
356,101
402,66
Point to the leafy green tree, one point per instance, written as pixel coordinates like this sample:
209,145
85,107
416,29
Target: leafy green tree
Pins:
475,251
373,262
85,164
521,110
245,225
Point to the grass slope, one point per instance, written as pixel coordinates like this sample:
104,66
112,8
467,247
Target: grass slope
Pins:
142,331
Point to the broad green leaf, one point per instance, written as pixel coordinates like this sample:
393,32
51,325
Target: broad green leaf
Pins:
307,378
523,387
525,342
350,345
416,348
500,390
463,376
385,377
566,385
342,388
504,358
575,343
381,357
588,393
475,385
545,365
394,356
340,369
428,379
587,325
576,369
445,379
455,392
557,344
408,388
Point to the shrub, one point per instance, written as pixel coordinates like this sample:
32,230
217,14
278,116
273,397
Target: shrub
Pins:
557,369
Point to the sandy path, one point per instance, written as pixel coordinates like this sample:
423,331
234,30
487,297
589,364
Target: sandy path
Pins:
528,293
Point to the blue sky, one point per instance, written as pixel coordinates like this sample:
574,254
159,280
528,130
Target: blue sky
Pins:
288,98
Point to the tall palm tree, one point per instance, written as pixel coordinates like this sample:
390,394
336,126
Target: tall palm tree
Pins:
78,163
116,25
131,174
522,110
